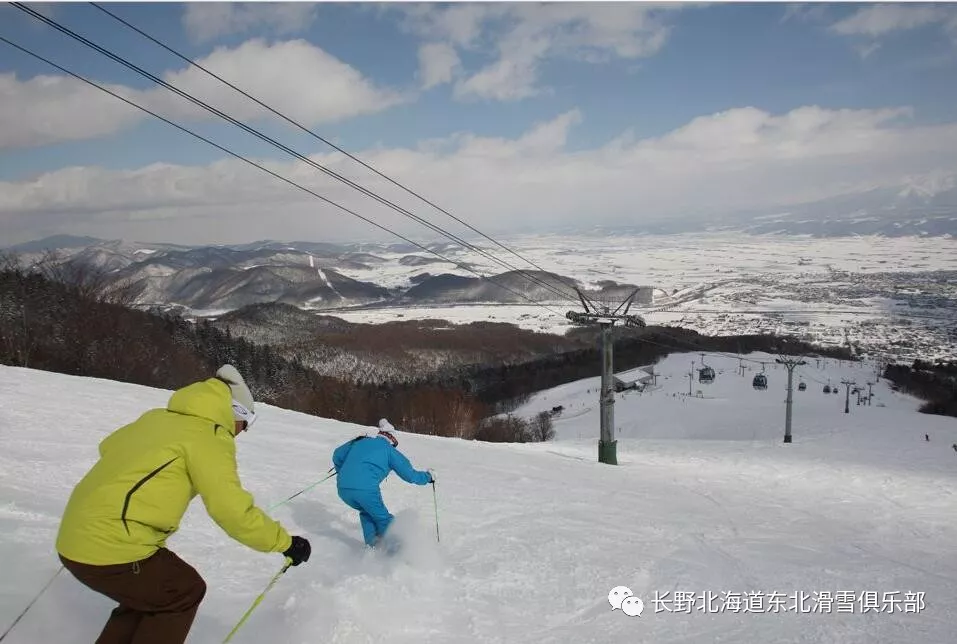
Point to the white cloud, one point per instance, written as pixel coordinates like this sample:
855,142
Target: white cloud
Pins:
521,36
881,19
512,77
459,24
804,12
313,87
437,64
206,21
625,30
874,23
47,109
742,158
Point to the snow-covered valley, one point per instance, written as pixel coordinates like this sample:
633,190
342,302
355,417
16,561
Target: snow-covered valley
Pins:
894,297
890,296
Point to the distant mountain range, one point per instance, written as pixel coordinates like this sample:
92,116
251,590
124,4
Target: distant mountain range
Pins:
327,277
926,208
912,210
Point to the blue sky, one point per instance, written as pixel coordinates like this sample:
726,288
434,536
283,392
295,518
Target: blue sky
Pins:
673,65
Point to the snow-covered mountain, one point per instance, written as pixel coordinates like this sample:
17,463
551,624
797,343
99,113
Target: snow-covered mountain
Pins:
707,501
306,274
893,295
925,208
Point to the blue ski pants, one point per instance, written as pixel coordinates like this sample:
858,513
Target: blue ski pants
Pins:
373,515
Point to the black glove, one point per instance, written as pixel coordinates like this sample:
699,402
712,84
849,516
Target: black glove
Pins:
299,551
431,476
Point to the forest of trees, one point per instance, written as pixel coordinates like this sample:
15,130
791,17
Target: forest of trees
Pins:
388,352
934,383
74,325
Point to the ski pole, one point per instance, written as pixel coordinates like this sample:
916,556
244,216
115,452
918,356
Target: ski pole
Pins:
435,502
30,605
276,505
249,612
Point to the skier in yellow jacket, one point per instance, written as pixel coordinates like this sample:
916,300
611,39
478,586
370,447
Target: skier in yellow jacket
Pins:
113,533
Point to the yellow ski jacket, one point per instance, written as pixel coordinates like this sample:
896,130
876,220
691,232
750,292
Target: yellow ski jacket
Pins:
135,495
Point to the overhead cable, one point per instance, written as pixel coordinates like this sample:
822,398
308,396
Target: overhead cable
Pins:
267,171
318,137
258,134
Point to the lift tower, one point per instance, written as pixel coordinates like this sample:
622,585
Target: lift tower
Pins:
790,364
847,397
605,318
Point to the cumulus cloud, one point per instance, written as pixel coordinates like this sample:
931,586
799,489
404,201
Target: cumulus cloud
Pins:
512,77
438,63
48,109
459,24
314,87
881,19
519,37
740,159
875,22
207,21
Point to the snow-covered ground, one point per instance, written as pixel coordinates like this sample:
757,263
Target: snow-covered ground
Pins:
892,296
530,317
707,499
677,261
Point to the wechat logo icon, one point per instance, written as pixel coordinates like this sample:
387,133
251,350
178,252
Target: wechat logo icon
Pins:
622,597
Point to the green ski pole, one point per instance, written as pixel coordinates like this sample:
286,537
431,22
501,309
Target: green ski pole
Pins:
276,505
258,600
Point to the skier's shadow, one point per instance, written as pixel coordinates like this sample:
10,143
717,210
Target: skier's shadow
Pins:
317,520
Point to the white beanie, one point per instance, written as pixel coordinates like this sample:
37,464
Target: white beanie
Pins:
240,391
385,425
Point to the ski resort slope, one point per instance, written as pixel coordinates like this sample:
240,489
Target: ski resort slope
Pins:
707,499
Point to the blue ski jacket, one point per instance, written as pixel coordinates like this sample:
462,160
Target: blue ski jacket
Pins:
364,462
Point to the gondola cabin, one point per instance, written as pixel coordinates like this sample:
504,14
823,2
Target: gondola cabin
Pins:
827,389
706,375
760,381
802,386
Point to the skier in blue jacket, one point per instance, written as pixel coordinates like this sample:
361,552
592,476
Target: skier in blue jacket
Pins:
362,464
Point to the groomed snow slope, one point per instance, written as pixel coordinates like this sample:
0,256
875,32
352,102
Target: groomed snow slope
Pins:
706,498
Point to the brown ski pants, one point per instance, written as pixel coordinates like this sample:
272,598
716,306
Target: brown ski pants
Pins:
158,598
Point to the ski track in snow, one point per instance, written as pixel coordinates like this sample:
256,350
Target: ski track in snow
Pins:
706,498
325,279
